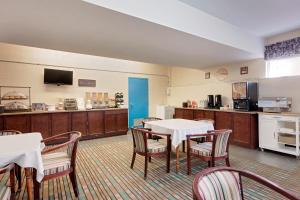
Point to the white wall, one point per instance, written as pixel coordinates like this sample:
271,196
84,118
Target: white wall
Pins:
24,66
190,83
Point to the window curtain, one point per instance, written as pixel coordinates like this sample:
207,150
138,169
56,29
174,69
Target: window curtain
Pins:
283,49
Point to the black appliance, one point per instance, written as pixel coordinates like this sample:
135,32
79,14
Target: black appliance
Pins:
245,96
218,101
58,77
210,101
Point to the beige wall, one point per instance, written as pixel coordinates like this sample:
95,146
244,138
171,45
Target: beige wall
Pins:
23,66
191,84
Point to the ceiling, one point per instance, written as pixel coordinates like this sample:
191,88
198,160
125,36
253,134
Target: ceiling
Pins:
263,18
80,27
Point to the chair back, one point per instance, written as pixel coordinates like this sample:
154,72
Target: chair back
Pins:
224,183
6,193
139,140
221,142
9,132
72,146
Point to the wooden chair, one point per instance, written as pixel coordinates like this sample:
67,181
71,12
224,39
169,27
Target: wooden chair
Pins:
149,148
149,119
59,163
209,151
226,183
18,169
7,193
200,139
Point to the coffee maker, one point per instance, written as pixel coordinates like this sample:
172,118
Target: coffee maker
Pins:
210,101
218,101
245,96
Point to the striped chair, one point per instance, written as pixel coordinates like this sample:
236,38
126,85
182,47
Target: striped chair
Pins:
149,148
8,193
59,160
225,183
149,119
209,151
18,169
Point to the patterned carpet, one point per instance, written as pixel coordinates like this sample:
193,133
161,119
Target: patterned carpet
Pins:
104,173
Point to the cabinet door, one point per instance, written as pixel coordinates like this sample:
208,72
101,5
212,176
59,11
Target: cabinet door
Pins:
179,113
60,123
110,122
79,122
41,123
1,123
198,114
209,114
188,114
242,129
267,132
223,120
95,122
122,122
17,122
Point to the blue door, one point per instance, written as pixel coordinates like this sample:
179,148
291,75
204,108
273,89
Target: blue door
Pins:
137,99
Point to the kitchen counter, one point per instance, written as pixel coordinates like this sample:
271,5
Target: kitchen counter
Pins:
60,111
291,114
218,110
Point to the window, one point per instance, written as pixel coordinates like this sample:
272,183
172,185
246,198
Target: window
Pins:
283,67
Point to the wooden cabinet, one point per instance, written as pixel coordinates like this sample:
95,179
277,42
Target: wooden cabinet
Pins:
1,123
223,120
92,124
245,131
41,123
184,113
198,114
60,123
116,121
95,122
17,122
209,114
244,125
79,122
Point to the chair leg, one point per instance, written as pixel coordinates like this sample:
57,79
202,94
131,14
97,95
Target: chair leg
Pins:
183,146
146,167
188,159
19,176
133,159
73,179
150,159
36,186
212,163
209,163
227,162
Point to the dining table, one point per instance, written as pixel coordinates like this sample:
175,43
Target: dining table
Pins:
25,151
179,129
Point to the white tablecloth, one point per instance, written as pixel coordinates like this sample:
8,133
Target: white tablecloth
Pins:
24,150
179,128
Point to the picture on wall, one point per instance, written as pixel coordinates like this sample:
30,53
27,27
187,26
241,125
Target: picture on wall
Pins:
207,75
244,70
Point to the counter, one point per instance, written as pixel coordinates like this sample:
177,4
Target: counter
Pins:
91,123
243,124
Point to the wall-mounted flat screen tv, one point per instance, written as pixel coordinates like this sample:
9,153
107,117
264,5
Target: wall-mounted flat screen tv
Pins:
58,77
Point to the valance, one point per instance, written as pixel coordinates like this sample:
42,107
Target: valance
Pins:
283,49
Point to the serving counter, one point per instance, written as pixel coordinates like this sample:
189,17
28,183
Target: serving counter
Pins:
244,125
91,123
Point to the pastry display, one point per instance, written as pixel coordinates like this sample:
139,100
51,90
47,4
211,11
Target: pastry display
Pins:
15,106
14,96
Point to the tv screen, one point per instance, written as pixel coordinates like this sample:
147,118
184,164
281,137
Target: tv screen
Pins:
58,77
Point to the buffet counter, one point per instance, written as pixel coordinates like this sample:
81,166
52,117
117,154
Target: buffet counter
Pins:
243,124
93,123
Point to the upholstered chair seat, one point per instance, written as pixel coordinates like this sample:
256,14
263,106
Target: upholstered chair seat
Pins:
56,162
202,149
156,147
5,192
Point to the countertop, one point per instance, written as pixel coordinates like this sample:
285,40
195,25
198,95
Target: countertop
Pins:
60,111
218,110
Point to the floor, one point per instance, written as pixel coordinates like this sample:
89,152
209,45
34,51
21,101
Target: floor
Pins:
104,173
